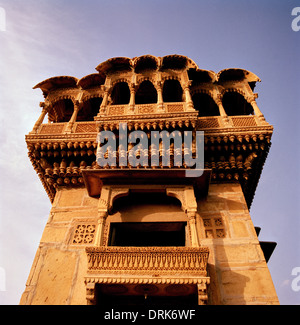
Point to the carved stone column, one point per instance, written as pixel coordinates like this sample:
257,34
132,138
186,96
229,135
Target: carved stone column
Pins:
70,124
188,97
41,117
256,109
132,98
193,229
188,201
224,116
100,229
160,105
104,101
107,197
103,205
191,209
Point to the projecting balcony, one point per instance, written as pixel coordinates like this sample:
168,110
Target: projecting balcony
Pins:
147,264
168,270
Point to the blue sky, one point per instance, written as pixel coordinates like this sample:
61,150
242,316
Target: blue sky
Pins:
46,38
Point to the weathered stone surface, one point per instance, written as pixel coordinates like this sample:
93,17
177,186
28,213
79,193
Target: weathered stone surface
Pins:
55,278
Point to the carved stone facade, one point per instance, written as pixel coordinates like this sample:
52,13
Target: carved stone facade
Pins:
148,232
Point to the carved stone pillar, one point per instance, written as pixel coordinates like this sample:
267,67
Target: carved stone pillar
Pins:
256,109
224,116
188,201
188,97
103,206
108,195
41,117
105,100
100,229
191,209
160,105
193,229
70,124
132,98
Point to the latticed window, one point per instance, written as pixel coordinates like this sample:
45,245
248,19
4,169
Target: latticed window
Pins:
84,234
214,227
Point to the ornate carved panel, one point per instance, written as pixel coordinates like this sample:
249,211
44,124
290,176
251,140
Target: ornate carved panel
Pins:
52,128
85,127
116,109
174,107
208,122
84,234
243,120
214,227
146,108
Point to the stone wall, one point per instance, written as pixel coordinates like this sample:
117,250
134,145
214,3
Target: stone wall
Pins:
237,267
59,267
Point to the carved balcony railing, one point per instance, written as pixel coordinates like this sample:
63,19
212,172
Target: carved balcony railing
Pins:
148,260
244,121
203,123
52,128
171,107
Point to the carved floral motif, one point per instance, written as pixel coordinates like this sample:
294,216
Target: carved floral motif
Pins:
84,234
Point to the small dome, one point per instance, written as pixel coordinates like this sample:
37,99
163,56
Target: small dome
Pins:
91,80
56,82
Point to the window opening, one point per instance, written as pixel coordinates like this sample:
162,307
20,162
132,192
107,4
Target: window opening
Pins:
145,234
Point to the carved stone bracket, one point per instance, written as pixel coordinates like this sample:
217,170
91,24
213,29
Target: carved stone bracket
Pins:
108,195
202,293
90,293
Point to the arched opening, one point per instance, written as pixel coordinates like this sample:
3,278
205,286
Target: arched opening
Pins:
120,93
146,93
148,219
235,104
90,109
172,91
62,111
205,105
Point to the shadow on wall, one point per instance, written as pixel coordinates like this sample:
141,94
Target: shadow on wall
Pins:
227,287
